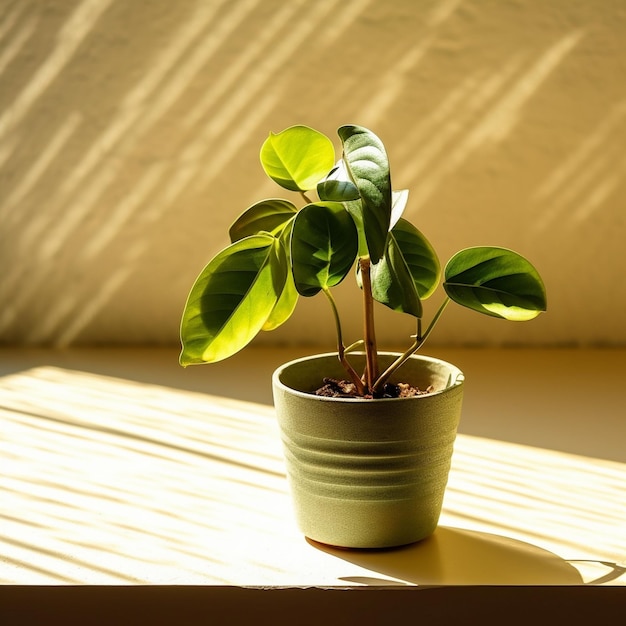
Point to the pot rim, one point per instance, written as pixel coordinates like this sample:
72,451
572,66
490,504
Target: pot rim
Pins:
458,381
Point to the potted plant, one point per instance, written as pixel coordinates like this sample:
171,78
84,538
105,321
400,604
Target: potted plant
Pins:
367,435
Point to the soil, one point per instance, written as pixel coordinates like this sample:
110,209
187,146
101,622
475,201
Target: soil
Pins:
333,388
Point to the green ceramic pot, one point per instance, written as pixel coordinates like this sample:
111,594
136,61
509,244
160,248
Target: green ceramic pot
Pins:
367,473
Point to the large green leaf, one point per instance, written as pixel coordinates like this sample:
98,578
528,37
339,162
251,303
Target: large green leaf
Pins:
288,298
297,158
265,216
420,257
285,305
495,281
231,300
408,272
324,245
367,163
392,282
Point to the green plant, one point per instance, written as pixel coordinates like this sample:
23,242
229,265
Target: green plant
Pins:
279,252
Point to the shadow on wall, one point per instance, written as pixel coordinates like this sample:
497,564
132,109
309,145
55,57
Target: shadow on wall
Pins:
120,126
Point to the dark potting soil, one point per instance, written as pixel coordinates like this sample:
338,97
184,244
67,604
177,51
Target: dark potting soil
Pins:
333,388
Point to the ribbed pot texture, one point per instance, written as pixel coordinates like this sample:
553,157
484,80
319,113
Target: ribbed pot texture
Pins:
367,473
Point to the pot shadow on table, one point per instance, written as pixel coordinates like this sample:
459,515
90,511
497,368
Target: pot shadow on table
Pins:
454,556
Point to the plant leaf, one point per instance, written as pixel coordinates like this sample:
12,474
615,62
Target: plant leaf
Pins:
231,300
297,158
354,208
408,273
392,282
265,216
285,305
367,163
420,257
495,281
324,245
288,298
337,186
398,204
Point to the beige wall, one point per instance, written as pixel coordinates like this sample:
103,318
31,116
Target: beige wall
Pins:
130,132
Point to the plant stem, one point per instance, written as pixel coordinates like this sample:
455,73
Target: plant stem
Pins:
341,351
369,332
354,346
417,344
435,319
305,197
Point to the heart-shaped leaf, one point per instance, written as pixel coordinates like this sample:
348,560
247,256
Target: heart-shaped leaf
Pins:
367,163
232,299
268,216
297,158
324,245
495,281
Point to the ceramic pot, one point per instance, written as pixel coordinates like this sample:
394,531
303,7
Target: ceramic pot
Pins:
367,473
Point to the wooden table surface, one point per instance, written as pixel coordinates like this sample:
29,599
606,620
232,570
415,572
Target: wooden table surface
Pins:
121,467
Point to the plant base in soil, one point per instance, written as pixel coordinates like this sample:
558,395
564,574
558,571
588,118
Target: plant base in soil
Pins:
333,388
